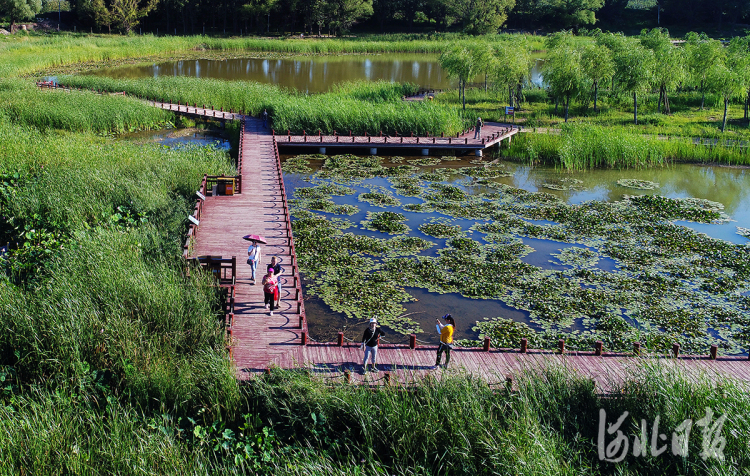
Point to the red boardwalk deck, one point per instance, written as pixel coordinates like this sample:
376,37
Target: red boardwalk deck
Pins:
260,341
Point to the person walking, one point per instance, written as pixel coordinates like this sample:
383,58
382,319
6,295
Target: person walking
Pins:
277,270
265,118
253,257
269,290
446,339
370,344
478,128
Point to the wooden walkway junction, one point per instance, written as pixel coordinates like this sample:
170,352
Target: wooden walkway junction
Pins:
258,341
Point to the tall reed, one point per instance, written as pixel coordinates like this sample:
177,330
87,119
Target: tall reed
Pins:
581,146
24,103
358,107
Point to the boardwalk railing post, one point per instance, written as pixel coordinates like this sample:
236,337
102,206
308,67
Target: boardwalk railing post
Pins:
508,382
561,346
637,348
714,350
486,346
387,377
347,376
598,345
412,341
304,338
340,340
524,345
676,350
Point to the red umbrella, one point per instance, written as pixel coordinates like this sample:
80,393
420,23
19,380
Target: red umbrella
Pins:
257,238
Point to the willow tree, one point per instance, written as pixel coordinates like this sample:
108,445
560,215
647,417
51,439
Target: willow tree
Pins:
727,77
597,66
460,62
563,72
513,67
702,54
669,63
634,70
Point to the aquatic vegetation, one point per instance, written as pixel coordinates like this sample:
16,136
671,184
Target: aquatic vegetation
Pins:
324,205
407,186
296,165
440,228
578,257
486,172
386,222
436,175
565,183
662,271
381,198
426,161
743,231
693,209
322,191
638,184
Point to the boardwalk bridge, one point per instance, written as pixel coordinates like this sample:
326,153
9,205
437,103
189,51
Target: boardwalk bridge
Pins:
258,341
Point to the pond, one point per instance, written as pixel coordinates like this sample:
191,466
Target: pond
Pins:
180,137
311,74
512,250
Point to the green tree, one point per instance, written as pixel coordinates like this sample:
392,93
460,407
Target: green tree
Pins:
345,13
634,69
574,13
728,78
258,10
480,17
17,10
563,72
459,61
597,66
512,68
669,63
702,53
123,14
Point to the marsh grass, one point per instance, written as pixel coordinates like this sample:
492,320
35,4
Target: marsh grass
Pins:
80,111
581,147
360,107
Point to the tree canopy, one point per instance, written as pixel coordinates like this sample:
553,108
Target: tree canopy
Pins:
17,10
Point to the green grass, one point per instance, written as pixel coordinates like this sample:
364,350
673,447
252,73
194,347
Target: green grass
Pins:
24,103
360,107
583,146
547,425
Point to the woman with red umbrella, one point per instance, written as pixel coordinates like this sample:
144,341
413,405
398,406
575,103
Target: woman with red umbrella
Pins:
253,252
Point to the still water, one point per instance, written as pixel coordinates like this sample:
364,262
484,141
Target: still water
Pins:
727,185
310,74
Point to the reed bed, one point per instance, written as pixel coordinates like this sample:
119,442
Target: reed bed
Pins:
295,424
582,146
81,111
357,107
94,284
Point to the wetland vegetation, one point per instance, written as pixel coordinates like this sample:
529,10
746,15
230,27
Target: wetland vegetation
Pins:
112,361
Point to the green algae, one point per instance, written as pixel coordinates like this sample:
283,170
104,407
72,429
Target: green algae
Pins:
638,184
386,222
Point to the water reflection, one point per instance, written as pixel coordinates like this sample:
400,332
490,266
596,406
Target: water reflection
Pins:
308,74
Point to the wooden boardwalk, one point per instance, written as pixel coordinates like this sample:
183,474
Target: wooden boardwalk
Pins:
260,341
491,134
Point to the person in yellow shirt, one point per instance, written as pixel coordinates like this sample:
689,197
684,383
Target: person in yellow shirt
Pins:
446,339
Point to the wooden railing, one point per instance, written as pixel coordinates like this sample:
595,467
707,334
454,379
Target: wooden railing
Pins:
296,281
